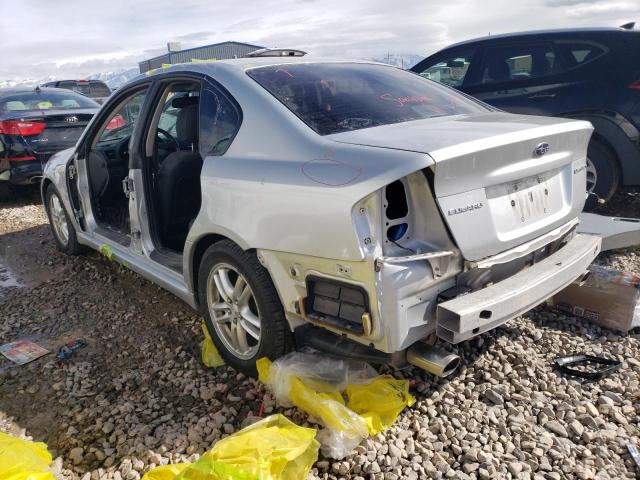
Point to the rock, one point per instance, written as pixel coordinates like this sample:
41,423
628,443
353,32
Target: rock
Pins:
494,397
76,455
576,428
556,427
515,468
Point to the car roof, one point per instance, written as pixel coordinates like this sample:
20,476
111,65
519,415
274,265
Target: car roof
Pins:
248,63
559,32
31,89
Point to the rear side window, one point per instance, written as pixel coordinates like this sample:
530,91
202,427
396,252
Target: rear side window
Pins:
337,97
44,100
451,70
219,121
579,53
519,62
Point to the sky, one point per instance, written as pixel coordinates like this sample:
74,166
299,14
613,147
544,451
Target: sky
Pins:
75,38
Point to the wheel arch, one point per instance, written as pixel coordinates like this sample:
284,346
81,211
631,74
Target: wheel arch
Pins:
616,134
194,252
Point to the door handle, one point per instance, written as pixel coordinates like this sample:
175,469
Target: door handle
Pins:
541,96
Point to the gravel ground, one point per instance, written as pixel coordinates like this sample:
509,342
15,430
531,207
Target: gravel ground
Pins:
137,396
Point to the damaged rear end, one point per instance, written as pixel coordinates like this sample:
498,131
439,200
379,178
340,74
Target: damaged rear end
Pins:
483,234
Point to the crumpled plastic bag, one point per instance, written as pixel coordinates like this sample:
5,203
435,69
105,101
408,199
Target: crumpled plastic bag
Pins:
210,355
272,449
23,460
315,383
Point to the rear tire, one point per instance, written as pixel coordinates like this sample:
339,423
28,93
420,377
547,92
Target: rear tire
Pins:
603,173
62,229
241,307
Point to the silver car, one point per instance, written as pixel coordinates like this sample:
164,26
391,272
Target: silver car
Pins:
349,206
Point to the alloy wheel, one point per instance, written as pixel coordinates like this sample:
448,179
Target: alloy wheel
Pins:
233,310
59,219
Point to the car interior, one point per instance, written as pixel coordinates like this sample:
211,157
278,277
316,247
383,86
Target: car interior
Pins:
108,165
173,171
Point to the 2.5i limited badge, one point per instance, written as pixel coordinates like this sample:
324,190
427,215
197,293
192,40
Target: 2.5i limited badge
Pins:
466,208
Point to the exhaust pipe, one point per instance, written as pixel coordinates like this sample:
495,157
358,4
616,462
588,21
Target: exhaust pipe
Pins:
432,359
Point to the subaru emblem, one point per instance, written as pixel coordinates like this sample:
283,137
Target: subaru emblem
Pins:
541,149
71,119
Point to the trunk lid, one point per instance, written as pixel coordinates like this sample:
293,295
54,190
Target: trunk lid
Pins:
500,180
62,129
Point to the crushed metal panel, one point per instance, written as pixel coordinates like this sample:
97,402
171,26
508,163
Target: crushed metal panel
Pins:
616,232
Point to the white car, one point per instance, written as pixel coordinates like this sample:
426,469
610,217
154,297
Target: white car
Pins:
350,206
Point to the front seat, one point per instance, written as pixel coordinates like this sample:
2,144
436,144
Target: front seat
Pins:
179,195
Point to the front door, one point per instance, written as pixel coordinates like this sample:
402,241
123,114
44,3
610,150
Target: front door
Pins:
101,169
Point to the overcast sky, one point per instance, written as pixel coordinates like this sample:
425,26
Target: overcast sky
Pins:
74,38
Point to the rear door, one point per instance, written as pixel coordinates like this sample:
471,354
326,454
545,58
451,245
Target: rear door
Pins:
521,78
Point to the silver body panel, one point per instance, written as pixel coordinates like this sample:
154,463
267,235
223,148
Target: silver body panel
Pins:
313,205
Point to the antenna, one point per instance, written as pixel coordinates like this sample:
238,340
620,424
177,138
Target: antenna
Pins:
628,26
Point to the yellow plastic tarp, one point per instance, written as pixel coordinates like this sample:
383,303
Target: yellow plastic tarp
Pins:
372,405
23,460
272,449
379,401
210,355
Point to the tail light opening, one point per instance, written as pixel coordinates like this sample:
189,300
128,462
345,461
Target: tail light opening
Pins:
20,127
634,85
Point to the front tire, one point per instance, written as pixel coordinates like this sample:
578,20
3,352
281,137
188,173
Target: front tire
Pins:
603,173
241,307
62,229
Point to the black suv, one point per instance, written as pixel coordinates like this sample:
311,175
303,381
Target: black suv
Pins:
589,74
97,90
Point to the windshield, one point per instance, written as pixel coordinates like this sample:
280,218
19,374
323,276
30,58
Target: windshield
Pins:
43,100
336,97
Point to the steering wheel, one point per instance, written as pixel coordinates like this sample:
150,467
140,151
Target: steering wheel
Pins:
168,137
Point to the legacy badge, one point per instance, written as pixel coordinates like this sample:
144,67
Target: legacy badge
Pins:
466,208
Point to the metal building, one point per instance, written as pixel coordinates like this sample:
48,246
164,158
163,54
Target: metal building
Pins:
217,51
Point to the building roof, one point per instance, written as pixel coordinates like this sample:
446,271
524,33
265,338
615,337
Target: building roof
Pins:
217,51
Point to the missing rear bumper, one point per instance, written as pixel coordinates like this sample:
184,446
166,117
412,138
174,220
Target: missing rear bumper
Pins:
469,315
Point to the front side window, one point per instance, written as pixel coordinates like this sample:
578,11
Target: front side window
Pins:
338,97
450,71
121,122
44,100
522,62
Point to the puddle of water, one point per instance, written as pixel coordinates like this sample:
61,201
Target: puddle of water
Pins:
8,279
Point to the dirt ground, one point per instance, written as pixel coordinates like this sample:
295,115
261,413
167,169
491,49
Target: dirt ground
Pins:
137,395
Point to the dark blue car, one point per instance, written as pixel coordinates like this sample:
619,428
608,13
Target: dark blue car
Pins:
589,74
35,123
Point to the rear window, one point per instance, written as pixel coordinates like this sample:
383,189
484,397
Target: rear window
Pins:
43,100
337,97
99,90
